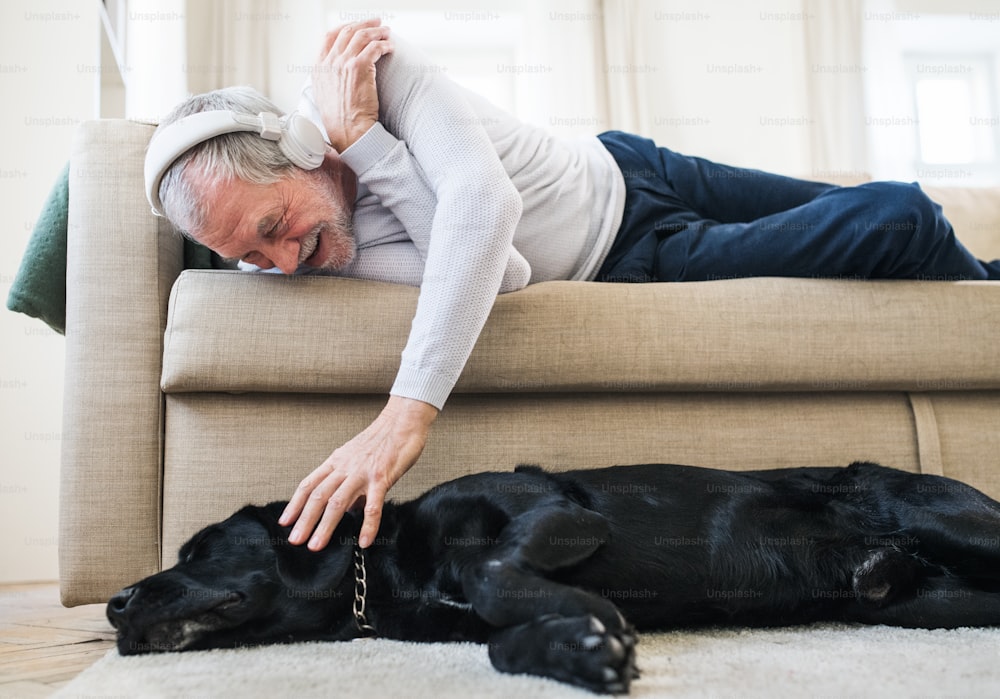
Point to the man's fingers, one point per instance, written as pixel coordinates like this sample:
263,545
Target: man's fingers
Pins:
329,39
316,503
374,51
322,512
332,515
363,38
292,510
333,512
301,495
373,513
337,39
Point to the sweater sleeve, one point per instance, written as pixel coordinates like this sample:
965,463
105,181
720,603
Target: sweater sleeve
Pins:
475,213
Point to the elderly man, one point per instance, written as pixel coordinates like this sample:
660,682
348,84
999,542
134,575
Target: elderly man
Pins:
426,184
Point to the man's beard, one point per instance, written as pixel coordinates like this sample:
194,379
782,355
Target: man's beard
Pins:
338,235
337,232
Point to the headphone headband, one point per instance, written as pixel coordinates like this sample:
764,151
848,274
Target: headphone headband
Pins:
300,140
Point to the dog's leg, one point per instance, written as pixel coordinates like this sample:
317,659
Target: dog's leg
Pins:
552,630
939,602
943,569
578,650
545,627
507,585
950,522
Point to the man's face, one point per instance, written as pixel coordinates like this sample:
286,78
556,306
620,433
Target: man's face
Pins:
302,219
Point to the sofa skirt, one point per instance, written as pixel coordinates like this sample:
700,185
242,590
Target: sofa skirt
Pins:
228,450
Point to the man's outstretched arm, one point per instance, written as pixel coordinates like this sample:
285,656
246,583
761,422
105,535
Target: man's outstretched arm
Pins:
472,230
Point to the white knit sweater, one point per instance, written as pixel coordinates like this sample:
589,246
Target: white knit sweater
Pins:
463,200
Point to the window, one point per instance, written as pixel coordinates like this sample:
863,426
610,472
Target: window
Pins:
476,47
954,97
933,97
536,60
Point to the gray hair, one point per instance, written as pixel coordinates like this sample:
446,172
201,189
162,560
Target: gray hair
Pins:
242,155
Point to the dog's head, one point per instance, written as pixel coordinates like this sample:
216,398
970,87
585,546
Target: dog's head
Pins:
240,582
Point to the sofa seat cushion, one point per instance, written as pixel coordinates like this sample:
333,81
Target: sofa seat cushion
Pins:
241,332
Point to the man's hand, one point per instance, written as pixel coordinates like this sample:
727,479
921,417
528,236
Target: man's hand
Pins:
363,469
344,80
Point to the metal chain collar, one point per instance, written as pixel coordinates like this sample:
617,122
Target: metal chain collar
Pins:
360,593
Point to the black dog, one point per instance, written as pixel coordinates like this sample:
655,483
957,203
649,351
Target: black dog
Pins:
554,569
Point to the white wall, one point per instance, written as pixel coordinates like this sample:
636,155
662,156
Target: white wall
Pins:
48,69
724,79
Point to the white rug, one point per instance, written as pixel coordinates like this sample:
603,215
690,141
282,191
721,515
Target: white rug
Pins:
825,660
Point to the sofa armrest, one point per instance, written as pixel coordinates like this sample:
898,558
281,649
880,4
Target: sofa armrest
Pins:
120,266
974,212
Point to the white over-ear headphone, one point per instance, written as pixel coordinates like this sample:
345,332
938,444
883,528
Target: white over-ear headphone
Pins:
302,141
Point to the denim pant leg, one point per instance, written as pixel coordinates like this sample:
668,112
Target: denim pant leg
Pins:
879,230
667,193
688,219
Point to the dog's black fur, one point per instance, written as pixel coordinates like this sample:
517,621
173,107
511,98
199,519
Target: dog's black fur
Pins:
555,570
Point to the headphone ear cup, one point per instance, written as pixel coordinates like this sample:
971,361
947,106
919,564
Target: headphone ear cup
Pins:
302,142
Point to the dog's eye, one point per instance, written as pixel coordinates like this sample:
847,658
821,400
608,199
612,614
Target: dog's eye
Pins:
201,546
195,551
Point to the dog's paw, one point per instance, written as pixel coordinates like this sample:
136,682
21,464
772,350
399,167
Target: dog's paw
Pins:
579,650
607,656
584,652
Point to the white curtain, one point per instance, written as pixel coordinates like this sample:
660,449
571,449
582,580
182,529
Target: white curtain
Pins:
228,43
154,70
621,48
780,89
776,86
566,38
835,85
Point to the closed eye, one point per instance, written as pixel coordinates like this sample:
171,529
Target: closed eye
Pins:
267,227
199,546
189,555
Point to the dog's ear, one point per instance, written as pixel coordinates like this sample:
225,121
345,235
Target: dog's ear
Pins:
302,569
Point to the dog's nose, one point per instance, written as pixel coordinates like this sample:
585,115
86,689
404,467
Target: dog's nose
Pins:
118,604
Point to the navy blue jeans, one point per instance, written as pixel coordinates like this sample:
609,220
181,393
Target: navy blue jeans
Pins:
689,219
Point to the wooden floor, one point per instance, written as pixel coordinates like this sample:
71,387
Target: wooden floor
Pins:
44,645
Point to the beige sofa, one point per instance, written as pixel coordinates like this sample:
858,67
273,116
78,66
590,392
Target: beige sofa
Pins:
191,393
